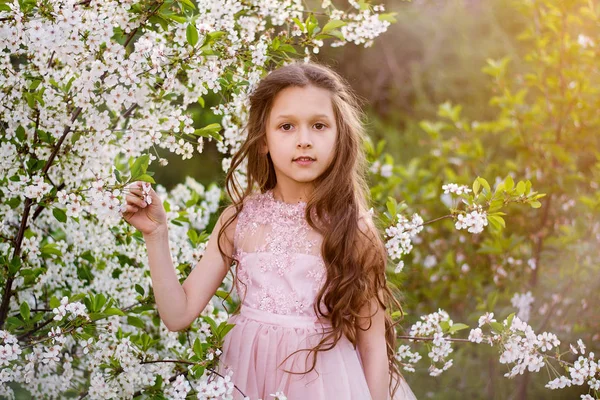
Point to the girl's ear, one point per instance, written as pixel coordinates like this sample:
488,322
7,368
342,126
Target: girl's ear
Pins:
264,150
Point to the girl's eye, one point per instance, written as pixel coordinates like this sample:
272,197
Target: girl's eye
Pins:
318,125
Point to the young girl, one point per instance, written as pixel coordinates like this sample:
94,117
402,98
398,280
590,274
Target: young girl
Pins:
310,264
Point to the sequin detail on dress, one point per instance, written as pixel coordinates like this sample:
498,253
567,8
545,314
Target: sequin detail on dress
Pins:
280,268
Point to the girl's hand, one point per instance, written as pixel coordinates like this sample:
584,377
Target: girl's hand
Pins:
147,217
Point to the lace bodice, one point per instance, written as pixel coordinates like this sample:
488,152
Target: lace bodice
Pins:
280,267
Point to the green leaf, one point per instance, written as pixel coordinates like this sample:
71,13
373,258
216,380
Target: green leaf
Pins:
509,183
13,323
198,350
99,302
445,325
509,320
223,329
77,297
288,48
215,35
389,17
141,309
59,214
457,327
14,202
299,23
535,204
21,133
113,311
223,294
145,178
54,302
198,370
210,130
497,326
392,207
212,323
139,289
193,235
521,188
140,166
25,311
14,266
476,187
484,183
191,34
50,248
333,24
188,3
35,83
135,321
337,34
496,221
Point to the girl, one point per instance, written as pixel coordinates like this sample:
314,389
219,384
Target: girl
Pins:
310,264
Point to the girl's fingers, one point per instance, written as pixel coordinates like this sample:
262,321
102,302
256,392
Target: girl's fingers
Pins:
131,199
135,188
131,209
134,191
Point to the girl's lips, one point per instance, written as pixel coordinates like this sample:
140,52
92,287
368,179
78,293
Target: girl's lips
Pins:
304,161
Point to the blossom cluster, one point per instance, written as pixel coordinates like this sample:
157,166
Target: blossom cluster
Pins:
216,387
400,237
75,309
523,303
440,349
455,188
407,358
473,221
9,348
526,350
51,363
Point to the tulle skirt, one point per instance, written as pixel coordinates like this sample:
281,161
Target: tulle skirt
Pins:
260,341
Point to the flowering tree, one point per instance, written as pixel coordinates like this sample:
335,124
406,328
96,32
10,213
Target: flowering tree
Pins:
540,263
89,89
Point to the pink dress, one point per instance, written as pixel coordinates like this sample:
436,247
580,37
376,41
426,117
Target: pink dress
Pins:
279,274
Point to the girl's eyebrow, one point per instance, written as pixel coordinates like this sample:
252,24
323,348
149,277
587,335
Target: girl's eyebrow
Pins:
292,116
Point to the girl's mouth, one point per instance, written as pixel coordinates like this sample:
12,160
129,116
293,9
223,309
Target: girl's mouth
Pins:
304,160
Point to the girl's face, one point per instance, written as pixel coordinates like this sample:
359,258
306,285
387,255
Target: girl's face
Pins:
301,124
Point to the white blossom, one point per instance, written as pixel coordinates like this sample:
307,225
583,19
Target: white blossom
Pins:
455,188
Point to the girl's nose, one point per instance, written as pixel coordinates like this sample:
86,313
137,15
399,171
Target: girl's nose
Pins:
304,139
304,144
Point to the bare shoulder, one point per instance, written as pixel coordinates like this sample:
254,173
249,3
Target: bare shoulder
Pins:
228,217
227,213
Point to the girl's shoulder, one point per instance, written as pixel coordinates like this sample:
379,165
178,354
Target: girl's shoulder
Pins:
249,205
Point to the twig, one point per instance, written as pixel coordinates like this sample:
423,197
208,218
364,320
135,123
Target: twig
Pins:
31,332
430,339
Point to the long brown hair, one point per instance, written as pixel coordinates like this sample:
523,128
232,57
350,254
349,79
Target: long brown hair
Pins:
355,259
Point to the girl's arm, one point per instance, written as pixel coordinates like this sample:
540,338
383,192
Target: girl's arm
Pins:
373,351
371,343
179,305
